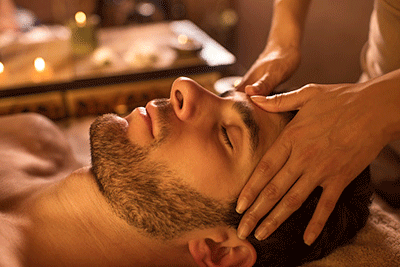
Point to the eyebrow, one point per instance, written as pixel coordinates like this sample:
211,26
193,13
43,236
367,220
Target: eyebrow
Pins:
244,109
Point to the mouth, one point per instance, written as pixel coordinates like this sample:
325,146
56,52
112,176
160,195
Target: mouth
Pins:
140,126
143,112
145,124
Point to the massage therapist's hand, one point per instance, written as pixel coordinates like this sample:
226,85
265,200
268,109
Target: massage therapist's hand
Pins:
281,55
337,132
269,70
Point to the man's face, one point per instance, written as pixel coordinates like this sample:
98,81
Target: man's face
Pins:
180,163
213,143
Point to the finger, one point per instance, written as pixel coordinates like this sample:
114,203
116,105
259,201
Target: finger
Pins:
241,86
293,100
249,78
267,199
292,201
243,83
263,86
268,166
326,205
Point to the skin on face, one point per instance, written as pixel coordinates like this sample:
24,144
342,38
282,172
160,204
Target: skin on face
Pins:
204,137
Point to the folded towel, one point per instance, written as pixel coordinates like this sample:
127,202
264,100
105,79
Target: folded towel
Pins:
377,244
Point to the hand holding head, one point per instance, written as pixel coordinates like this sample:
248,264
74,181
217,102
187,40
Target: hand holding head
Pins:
336,133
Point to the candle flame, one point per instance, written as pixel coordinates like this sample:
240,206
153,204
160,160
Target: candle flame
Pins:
1,68
39,64
182,39
80,18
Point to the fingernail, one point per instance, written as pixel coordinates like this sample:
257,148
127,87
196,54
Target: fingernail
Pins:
241,205
309,239
243,231
261,234
258,98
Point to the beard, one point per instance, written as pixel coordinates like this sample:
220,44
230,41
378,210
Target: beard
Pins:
126,176
146,194
109,142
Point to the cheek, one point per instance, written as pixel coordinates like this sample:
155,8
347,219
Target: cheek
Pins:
198,165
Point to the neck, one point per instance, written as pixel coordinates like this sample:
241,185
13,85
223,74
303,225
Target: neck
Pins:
72,223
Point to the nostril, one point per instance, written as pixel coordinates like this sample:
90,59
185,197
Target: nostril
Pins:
179,96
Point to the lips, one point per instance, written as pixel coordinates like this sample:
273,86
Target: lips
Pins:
146,117
140,126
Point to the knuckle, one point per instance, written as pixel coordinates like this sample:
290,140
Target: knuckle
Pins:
313,88
271,192
264,85
308,86
249,193
278,100
252,217
271,222
290,133
264,167
292,201
290,171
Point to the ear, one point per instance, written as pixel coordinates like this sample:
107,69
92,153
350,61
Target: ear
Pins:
222,248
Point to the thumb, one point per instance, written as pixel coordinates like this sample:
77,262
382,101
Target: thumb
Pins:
263,86
293,100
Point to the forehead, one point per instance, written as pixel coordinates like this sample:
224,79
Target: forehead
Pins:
235,95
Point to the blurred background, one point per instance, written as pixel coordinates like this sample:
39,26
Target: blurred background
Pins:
71,58
335,30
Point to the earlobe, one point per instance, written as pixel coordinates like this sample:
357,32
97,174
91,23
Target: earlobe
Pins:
231,251
199,251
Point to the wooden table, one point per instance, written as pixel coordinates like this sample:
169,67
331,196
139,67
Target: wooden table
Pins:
79,87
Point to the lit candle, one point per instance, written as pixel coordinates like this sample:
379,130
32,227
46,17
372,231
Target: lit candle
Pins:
3,74
83,33
186,45
39,64
237,82
226,84
80,19
42,71
183,39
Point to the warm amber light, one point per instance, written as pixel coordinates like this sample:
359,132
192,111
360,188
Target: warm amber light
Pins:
1,68
40,65
80,18
236,82
182,39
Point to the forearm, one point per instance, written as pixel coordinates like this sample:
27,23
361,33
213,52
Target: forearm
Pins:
287,25
7,14
385,94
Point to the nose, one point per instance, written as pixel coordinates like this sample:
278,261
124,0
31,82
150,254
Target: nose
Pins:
187,97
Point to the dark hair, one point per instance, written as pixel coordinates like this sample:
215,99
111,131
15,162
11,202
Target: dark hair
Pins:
285,247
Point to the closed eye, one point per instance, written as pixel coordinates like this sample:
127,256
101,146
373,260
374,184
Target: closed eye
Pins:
226,137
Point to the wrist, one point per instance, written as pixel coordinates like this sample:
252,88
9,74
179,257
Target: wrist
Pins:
384,93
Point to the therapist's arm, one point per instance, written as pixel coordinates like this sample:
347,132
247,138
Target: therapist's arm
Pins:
281,55
337,132
7,15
